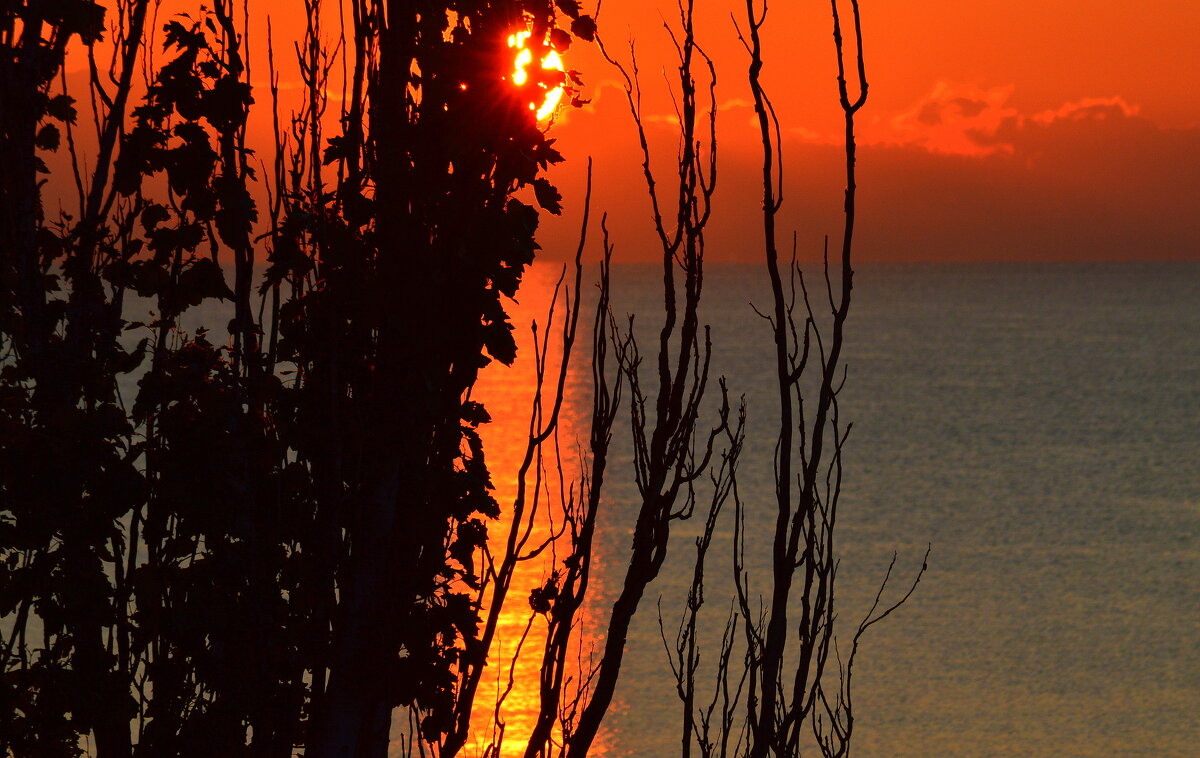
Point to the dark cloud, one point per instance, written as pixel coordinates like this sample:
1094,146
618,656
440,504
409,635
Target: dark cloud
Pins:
1092,180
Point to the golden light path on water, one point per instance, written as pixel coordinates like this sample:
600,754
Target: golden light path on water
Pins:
508,393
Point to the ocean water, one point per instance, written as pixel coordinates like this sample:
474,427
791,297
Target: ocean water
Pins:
1039,426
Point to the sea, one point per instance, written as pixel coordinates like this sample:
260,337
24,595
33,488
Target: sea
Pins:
1037,426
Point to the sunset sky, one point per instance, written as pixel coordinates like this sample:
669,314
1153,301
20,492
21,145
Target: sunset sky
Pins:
1013,130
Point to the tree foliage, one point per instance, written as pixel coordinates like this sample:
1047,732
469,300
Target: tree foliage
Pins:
288,532
276,541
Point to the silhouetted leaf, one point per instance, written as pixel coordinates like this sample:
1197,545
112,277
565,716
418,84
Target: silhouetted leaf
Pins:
153,215
569,7
560,40
546,155
474,413
236,213
547,196
524,218
140,155
144,277
176,34
203,280
166,241
499,342
62,108
80,17
123,362
227,103
335,150
541,599
584,27
190,164
48,137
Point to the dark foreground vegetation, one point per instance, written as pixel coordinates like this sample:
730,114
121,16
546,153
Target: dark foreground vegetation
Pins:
288,538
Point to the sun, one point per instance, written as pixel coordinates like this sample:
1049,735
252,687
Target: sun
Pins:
551,95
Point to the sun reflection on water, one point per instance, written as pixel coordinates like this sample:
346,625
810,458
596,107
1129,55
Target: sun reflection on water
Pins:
508,394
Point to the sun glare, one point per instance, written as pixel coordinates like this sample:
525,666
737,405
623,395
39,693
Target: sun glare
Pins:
520,76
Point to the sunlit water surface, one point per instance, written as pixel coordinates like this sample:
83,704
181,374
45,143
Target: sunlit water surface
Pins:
1038,424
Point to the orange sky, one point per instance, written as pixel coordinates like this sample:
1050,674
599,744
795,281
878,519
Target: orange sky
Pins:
995,130
1014,130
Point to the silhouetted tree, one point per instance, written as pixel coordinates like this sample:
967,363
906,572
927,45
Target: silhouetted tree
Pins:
233,561
284,536
792,693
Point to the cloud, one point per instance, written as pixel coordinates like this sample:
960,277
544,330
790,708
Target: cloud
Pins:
1090,108
969,120
962,174
949,120
805,134
1090,179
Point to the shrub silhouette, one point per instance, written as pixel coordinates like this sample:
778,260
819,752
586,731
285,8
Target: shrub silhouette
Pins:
286,534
